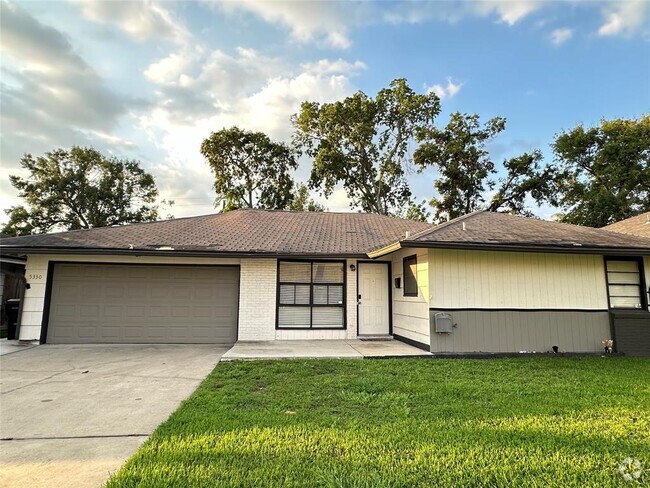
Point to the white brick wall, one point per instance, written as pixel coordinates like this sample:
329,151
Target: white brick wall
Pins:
257,299
351,299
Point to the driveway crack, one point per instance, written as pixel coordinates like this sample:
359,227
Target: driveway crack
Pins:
38,381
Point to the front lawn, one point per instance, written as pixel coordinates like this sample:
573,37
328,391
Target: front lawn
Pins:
525,422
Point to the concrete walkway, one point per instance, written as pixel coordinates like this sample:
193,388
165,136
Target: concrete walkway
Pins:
7,346
71,415
341,349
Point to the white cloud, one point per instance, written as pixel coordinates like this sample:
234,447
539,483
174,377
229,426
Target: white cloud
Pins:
141,19
445,91
624,18
327,66
328,23
169,69
202,91
509,12
560,36
52,91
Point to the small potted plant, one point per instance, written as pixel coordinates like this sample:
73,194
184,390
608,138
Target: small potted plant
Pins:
608,344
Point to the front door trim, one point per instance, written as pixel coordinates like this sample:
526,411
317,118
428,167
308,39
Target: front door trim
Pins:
390,291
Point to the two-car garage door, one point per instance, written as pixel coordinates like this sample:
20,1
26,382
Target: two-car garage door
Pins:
143,304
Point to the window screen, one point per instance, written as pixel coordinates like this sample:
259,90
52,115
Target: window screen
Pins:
410,276
311,295
624,284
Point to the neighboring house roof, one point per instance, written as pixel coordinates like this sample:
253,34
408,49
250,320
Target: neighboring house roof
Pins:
239,232
635,226
500,231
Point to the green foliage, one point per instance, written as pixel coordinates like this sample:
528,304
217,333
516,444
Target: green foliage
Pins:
465,169
552,422
602,174
414,211
302,203
80,189
524,177
251,170
464,165
363,143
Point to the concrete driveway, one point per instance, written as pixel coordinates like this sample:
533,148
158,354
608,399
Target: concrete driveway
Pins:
71,415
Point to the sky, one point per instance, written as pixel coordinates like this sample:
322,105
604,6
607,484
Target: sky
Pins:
150,80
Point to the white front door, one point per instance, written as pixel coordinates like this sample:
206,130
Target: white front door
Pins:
373,299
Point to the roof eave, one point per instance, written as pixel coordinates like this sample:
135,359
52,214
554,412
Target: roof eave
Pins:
609,250
385,250
175,253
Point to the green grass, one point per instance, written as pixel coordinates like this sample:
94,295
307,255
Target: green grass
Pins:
526,422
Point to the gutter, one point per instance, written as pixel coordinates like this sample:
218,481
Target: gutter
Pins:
171,253
576,249
385,250
610,251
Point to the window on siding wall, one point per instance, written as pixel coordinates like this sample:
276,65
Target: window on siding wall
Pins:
624,284
410,276
311,295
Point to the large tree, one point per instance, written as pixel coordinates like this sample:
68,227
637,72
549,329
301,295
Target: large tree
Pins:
466,169
463,163
251,170
80,189
363,143
414,211
602,174
302,202
525,178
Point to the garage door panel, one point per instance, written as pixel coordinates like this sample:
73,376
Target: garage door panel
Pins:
143,304
158,311
137,291
89,312
114,291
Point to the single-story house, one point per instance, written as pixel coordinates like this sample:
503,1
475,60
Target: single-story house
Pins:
484,282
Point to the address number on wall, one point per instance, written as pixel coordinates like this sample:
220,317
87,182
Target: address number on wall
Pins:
35,276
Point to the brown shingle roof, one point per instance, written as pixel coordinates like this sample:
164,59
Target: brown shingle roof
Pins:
635,226
499,230
237,232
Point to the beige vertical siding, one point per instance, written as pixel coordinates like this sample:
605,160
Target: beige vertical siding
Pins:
491,279
525,301
411,314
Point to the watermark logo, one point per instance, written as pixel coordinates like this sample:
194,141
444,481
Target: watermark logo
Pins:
630,469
